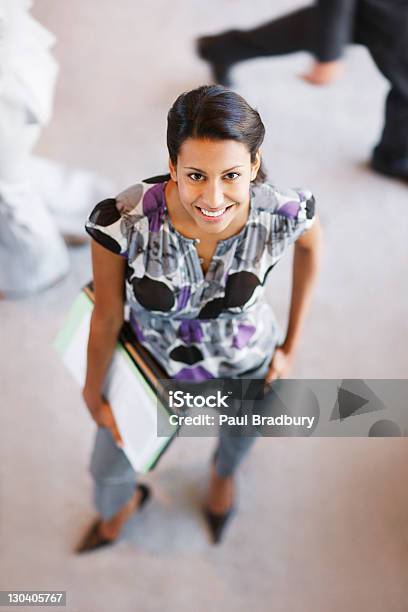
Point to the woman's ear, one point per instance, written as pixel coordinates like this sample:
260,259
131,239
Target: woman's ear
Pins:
256,165
173,171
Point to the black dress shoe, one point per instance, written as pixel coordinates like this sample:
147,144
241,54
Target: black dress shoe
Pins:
397,168
93,539
218,522
220,71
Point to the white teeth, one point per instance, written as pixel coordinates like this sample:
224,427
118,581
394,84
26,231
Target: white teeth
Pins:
212,214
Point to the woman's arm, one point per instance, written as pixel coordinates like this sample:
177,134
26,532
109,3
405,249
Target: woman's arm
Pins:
305,269
106,321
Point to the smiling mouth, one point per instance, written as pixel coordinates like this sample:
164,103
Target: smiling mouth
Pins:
214,214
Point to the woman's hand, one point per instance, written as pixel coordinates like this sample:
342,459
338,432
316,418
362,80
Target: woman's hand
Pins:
101,412
280,365
305,266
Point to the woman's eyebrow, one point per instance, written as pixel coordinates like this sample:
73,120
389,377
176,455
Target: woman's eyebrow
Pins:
223,172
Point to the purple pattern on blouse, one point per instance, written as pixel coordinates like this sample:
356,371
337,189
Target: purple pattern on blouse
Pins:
190,331
244,334
153,207
289,210
196,373
183,297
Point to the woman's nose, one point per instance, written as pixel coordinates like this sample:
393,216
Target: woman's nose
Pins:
214,196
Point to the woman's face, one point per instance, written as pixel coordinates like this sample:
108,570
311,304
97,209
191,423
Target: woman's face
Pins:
213,179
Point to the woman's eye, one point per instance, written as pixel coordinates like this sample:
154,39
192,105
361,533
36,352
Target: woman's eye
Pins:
196,176
232,176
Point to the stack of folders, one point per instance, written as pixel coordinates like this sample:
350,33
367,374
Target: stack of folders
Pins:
132,386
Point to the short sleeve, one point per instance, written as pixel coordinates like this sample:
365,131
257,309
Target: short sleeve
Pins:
112,221
294,212
291,212
298,208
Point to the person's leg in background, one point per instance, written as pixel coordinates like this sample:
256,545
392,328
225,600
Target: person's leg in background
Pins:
390,156
382,27
117,494
288,34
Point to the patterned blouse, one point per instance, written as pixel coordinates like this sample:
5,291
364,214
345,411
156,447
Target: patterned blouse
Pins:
200,326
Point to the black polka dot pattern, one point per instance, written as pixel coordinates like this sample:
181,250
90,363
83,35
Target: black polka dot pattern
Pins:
104,240
238,291
153,295
105,213
212,309
186,354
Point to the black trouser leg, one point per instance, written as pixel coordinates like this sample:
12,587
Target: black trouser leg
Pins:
393,65
394,139
385,34
288,34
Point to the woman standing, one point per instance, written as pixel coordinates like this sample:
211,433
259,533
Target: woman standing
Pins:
193,250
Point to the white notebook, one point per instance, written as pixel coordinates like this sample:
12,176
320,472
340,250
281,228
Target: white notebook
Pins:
131,384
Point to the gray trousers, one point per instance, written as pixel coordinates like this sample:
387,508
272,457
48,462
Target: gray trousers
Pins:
115,479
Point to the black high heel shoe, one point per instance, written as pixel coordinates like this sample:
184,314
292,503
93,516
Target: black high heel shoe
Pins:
217,521
93,540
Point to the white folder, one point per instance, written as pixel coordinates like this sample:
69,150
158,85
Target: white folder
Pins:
132,384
